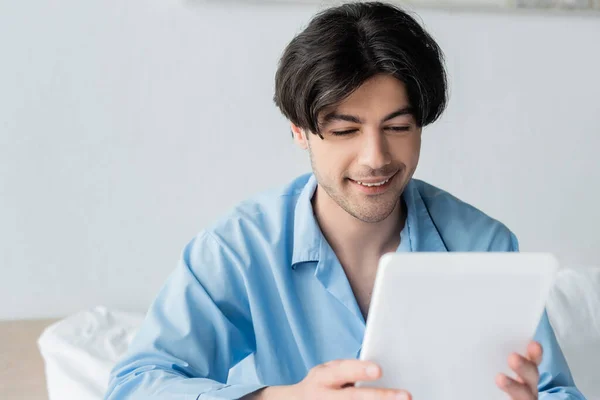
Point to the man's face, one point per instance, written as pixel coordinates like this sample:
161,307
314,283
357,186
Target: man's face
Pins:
370,149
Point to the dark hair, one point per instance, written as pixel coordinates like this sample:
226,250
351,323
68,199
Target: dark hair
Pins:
344,46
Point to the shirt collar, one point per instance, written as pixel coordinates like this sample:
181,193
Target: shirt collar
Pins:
419,233
307,234
422,231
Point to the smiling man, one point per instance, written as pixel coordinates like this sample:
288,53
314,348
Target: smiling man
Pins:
271,301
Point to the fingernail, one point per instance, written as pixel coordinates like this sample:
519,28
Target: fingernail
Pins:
401,396
372,371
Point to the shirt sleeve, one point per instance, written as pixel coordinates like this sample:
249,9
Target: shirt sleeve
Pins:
198,327
556,381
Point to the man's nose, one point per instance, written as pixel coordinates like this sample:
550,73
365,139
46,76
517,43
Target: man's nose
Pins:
374,152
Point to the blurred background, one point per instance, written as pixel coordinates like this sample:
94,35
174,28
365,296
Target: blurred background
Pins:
128,126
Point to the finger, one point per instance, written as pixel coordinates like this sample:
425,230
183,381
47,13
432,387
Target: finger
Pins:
336,374
535,352
526,370
516,390
372,394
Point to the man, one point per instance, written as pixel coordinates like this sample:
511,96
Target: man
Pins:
280,288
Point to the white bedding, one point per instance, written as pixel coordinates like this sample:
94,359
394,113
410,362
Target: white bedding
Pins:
574,312
80,350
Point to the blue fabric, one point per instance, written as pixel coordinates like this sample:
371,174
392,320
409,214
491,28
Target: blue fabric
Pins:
263,292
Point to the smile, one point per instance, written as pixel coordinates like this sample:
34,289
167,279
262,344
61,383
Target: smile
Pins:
374,183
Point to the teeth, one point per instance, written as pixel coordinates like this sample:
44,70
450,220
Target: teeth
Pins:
373,184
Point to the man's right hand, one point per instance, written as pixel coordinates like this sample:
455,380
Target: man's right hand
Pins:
334,380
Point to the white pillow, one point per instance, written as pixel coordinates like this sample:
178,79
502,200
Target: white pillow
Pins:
574,313
80,351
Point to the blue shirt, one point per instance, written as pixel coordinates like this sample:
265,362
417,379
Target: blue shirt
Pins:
260,298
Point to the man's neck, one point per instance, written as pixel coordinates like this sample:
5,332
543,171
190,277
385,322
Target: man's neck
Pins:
353,239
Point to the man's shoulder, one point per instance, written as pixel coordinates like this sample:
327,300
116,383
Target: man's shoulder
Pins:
462,226
272,203
260,216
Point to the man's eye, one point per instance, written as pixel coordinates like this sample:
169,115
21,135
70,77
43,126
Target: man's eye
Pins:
342,133
398,128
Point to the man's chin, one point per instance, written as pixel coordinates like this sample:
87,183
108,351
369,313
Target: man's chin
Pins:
373,214
372,218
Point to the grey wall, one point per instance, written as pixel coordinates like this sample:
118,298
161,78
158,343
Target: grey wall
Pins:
127,126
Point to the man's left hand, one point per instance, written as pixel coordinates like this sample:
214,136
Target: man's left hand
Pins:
524,387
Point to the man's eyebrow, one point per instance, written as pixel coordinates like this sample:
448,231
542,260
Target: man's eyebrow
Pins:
403,111
333,116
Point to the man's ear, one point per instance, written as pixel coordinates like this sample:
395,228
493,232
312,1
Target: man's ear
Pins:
300,136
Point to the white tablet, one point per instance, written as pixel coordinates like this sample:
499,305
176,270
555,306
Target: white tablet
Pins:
442,325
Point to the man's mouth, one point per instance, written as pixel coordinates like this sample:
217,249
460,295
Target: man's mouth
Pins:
373,184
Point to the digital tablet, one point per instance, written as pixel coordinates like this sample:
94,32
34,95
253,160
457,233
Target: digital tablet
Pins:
442,325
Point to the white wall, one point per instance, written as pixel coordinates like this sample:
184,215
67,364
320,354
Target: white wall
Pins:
127,126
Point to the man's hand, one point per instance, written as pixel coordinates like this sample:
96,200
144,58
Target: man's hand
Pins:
335,380
526,368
